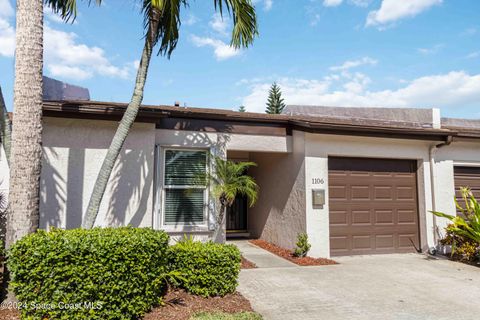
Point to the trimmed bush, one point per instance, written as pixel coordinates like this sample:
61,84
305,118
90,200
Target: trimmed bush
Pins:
110,273
302,245
208,269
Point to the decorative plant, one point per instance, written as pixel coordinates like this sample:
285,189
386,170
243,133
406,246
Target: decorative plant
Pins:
302,245
464,228
229,180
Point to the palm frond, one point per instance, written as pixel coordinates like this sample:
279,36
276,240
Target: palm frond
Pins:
229,180
244,17
67,9
166,29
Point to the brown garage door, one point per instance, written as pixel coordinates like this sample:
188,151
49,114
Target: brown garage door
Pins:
373,206
467,177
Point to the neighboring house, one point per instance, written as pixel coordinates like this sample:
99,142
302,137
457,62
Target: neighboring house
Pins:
356,180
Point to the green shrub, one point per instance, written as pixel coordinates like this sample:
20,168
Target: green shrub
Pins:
464,231
464,250
111,273
209,269
302,245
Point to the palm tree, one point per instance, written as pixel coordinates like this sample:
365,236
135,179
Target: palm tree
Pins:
26,152
162,23
229,180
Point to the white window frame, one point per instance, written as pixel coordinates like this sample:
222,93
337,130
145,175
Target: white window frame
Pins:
161,190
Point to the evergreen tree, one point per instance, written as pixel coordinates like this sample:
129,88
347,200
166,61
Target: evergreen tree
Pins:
275,104
242,109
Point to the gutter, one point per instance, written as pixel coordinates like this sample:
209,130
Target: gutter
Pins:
432,151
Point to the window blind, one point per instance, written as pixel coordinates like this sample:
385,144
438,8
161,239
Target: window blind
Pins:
184,199
184,168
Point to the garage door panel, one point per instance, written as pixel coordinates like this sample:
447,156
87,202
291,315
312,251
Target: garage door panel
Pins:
385,241
467,177
377,211
338,193
338,217
385,217
383,193
361,217
360,192
407,216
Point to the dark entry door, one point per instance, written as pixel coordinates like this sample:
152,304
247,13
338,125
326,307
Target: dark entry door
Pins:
237,215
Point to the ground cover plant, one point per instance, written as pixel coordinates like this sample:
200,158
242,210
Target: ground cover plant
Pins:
463,233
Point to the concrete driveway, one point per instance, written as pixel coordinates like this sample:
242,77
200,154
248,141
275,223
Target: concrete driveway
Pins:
406,286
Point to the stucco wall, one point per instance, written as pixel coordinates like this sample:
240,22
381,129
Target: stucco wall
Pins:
73,153
279,214
319,147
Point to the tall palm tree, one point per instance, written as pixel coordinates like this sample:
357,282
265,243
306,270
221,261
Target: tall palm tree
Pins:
228,180
26,152
162,23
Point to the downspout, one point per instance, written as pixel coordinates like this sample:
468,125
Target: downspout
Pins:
432,151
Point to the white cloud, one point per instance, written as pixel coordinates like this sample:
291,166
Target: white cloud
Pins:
6,9
222,50
64,56
454,89
190,20
361,3
470,32
7,38
431,50
332,3
58,70
220,24
267,4
393,10
473,55
63,51
349,64
7,32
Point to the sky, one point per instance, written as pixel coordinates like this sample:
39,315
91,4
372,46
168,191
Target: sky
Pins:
355,53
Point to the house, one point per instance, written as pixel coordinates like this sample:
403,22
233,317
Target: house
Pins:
356,180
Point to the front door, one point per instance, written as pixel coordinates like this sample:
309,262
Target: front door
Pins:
237,215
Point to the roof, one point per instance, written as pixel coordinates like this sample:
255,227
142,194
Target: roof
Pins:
305,122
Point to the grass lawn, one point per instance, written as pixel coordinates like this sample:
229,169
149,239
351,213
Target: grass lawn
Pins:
227,316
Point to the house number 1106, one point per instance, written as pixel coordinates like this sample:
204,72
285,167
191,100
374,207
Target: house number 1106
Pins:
317,181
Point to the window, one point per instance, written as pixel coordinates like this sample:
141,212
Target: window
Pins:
184,199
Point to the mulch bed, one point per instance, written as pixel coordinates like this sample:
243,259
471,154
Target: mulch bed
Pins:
179,305
246,264
287,254
6,314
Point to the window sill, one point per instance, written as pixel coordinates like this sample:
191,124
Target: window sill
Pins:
183,229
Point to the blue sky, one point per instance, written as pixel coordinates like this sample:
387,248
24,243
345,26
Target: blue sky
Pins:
409,53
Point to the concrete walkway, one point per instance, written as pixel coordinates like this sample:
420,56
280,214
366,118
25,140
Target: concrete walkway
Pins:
262,258
380,287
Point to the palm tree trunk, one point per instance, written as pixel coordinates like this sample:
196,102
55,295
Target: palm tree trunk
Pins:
124,127
5,129
26,153
219,224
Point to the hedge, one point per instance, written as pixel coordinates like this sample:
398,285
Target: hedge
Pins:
102,273
208,269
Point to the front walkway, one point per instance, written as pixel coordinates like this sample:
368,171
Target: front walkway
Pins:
261,258
383,287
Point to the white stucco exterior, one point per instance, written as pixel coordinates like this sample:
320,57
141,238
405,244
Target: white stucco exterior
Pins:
289,167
